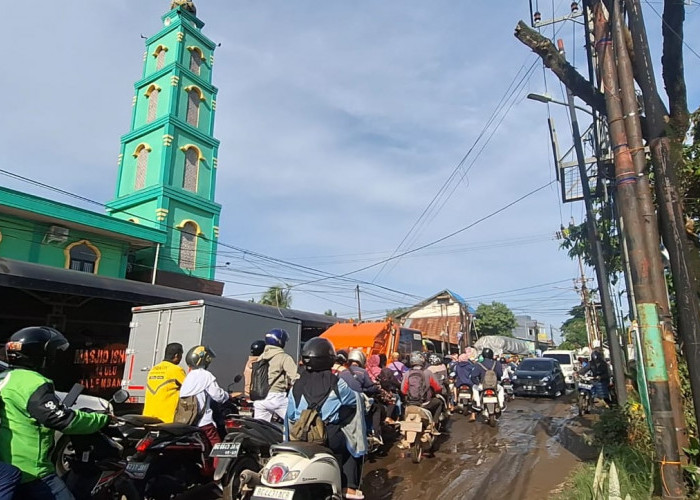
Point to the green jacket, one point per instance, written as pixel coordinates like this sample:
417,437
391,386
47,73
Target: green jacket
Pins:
30,413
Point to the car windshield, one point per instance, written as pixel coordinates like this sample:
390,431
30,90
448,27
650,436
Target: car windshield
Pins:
535,365
564,359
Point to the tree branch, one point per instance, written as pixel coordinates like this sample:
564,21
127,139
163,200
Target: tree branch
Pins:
672,62
579,85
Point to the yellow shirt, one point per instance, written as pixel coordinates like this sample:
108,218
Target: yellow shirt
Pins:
163,390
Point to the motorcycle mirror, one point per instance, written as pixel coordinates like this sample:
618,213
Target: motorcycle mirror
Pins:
237,378
121,396
72,395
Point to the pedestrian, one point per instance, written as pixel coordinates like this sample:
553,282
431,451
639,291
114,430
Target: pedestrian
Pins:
163,385
282,372
31,413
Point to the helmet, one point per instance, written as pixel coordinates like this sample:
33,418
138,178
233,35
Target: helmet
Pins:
318,354
358,357
596,356
487,353
434,359
199,357
277,337
417,359
502,360
257,348
33,346
342,357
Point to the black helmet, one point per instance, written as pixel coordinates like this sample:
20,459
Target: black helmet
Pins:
487,353
318,354
34,346
341,357
257,348
596,356
199,357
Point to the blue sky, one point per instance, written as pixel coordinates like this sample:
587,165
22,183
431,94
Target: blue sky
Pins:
339,123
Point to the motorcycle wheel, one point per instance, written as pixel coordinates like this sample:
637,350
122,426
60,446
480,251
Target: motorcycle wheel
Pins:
233,481
416,452
124,489
492,420
62,455
581,405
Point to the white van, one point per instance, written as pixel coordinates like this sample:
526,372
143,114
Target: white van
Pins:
568,362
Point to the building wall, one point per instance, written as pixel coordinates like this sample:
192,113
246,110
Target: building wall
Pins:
24,240
434,309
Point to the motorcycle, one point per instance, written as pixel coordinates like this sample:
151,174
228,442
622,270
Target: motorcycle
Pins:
418,431
245,447
97,467
585,395
464,400
508,389
491,408
296,470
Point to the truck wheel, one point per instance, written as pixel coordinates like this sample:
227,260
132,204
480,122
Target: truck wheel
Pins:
233,481
416,452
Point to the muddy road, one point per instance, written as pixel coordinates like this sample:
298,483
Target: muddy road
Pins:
528,455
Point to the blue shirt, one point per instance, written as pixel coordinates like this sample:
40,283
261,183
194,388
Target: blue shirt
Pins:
331,407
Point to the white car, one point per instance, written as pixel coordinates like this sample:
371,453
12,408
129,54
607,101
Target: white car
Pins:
568,362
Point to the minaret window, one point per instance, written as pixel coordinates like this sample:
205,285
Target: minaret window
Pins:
193,99
159,54
82,256
152,95
196,57
189,181
188,246
141,154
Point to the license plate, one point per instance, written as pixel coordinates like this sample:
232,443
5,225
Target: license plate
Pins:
412,426
263,492
137,470
465,395
529,387
225,450
585,386
245,413
490,400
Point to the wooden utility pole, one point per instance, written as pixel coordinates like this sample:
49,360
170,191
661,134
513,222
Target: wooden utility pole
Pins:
641,258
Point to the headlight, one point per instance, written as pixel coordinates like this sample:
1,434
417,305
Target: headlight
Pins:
546,379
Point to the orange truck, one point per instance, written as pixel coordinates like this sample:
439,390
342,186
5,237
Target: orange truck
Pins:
375,337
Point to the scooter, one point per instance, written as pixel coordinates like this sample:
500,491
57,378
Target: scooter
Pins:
491,408
418,431
585,395
508,389
296,470
464,400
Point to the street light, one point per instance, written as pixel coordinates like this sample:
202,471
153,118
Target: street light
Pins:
545,98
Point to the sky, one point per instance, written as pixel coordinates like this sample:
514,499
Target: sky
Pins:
339,123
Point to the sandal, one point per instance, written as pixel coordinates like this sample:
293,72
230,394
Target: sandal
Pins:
357,495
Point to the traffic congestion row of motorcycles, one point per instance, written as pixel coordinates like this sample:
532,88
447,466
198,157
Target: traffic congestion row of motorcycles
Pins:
294,455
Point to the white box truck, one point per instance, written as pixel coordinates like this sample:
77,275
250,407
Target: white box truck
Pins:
227,327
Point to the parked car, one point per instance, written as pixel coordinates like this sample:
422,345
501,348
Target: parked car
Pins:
568,362
539,377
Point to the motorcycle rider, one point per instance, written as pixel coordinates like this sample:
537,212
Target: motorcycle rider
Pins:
31,413
482,367
464,369
429,386
397,366
200,382
163,385
437,366
282,372
341,413
10,477
256,349
599,369
376,412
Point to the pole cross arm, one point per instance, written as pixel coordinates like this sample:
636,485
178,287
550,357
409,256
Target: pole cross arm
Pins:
543,47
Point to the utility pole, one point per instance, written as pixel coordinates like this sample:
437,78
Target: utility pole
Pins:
359,309
665,437
601,268
591,327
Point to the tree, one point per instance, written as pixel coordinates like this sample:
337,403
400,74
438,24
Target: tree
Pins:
329,312
278,296
574,329
392,313
495,319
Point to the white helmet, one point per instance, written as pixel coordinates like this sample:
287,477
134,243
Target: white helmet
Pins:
357,356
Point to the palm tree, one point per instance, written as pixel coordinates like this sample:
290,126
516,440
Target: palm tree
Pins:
278,296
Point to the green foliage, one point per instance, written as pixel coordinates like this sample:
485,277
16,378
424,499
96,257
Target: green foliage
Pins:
495,319
277,296
689,173
330,312
392,313
574,329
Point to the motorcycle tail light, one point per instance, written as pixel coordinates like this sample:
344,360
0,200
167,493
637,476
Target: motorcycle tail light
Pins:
144,444
276,474
489,392
231,424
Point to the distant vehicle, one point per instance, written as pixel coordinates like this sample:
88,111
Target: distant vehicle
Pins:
228,330
568,362
375,337
539,377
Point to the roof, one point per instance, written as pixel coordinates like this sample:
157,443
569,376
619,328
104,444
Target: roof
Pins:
455,296
53,212
434,326
344,335
25,275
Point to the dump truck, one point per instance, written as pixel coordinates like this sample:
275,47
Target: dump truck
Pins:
226,326
375,337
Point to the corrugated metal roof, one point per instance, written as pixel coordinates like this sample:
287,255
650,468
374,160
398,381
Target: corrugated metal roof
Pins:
433,327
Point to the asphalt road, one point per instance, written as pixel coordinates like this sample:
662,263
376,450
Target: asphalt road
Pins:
527,456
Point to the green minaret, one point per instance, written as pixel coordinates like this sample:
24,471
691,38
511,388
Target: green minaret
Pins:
167,164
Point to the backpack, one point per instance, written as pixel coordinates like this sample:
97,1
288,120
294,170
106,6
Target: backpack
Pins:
417,392
188,411
260,381
310,427
490,380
